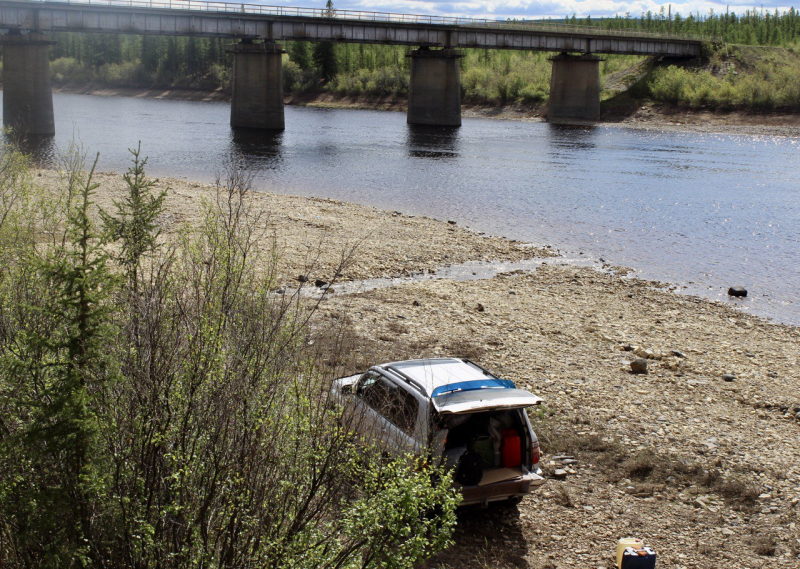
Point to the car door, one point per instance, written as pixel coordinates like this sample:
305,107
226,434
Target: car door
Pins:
389,414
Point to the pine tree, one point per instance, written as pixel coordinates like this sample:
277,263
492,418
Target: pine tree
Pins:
324,53
72,367
300,54
135,224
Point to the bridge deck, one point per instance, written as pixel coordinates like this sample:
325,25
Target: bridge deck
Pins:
277,23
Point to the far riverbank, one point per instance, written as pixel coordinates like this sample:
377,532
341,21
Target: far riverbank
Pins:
634,115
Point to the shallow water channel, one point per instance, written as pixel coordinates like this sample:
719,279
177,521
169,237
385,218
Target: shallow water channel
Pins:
704,211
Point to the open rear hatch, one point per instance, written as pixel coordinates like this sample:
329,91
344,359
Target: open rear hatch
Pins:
481,395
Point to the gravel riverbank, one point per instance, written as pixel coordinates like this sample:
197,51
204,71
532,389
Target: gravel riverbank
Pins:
698,456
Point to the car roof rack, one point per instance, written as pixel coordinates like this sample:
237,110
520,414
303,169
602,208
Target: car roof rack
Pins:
408,379
483,369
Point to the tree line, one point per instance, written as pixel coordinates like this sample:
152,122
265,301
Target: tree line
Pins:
753,27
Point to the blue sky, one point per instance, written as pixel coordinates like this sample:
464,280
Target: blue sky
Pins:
500,9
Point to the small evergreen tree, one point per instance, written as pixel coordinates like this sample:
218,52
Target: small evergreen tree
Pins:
135,223
324,53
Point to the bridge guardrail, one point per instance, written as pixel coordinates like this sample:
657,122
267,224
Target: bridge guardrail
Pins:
356,15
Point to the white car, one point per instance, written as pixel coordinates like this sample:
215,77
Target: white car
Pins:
453,409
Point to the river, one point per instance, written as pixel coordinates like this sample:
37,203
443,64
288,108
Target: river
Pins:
703,211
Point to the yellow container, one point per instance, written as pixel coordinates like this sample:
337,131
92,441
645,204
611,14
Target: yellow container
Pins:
627,542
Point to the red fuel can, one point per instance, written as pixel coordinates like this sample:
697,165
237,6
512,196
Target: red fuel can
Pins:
511,449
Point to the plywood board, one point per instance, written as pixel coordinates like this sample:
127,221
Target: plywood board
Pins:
499,475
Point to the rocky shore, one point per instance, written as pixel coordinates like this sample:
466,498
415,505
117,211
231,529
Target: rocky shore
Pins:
698,456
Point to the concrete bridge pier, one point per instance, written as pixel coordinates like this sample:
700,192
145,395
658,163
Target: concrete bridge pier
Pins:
27,93
257,93
574,89
434,94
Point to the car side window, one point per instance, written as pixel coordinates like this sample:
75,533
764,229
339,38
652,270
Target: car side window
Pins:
403,411
390,401
374,390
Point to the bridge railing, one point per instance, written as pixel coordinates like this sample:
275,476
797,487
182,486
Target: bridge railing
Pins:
357,15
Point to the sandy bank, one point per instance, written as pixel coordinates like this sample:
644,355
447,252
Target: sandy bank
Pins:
312,233
567,333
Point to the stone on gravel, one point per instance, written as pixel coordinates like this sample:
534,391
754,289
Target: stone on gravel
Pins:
728,376
639,365
559,473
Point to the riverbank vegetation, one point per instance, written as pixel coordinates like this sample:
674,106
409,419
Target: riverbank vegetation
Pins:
736,77
733,74
161,405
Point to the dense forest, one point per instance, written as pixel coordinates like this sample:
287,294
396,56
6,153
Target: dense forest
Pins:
488,77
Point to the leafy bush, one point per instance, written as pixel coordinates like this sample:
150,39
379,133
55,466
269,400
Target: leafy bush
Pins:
161,406
379,82
506,78
129,73
66,69
298,80
763,80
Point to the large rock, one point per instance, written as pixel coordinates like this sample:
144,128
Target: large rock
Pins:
639,365
737,291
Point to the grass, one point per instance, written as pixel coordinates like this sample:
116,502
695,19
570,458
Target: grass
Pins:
765,545
564,497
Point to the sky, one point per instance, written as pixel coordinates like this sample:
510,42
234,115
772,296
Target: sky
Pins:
502,9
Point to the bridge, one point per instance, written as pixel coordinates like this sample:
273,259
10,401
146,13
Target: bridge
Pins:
257,89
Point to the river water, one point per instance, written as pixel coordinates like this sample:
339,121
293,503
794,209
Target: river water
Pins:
703,211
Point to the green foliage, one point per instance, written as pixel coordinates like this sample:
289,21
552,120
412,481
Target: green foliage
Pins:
300,54
298,80
56,371
178,418
66,69
135,222
324,57
505,77
377,82
747,78
140,61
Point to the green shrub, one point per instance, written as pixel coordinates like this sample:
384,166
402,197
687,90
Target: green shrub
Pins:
504,78
68,69
160,406
379,82
127,74
762,80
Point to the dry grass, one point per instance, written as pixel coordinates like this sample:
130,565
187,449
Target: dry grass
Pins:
564,497
765,545
738,491
464,348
